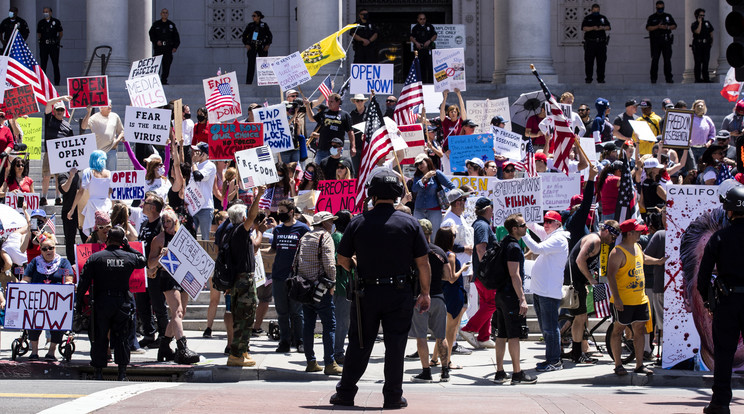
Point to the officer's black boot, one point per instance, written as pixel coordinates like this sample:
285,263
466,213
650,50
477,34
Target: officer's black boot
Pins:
98,376
183,354
122,373
165,353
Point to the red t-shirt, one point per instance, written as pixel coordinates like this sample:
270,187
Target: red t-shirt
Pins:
24,186
533,123
450,127
6,138
609,194
200,134
33,251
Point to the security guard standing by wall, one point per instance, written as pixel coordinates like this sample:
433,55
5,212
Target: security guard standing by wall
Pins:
725,296
660,26
108,273
595,27
257,38
365,48
702,41
165,41
387,243
9,23
49,33
423,36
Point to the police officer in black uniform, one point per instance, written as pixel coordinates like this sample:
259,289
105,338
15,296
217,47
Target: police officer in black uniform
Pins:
49,33
9,23
423,36
595,27
165,41
702,41
660,26
257,38
387,243
108,273
724,297
365,48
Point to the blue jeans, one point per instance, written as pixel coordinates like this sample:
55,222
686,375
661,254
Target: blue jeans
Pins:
435,216
111,159
324,310
319,155
290,156
203,221
343,315
287,310
547,315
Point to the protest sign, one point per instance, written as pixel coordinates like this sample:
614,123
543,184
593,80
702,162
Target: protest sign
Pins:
466,147
146,92
31,135
677,128
306,200
223,97
449,69
290,71
20,101
138,279
30,201
4,60
481,112
226,139
643,130
522,195
128,185
70,152
368,78
88,91
337,195
259,274
264,72
144,67
276,134
414,137
590,149
480,185
188,263
194,198
558,190
147,125
508,144
256,167
432,99
39,306
448,36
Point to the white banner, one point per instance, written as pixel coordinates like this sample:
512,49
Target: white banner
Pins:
481,112
188,263
223,87
30,201
146,91
508,144
368,78
522,195
290,71
146,125
449,69
264,72
144,67
39,306
558,189
256,167
276,131
70,152
128,185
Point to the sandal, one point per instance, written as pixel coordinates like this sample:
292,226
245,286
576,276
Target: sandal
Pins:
620,371
434,363
450,366
643,370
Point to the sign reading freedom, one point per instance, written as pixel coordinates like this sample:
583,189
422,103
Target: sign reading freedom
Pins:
226,139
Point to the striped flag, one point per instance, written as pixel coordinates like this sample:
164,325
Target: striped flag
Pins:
221,96
52,224
411,96
602,300
264,203
563,136
723,173
528,163
378,147
372,119
325,87
190,285
626,207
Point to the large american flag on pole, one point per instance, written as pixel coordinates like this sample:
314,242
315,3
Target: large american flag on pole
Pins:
626,207
221,96
23,69
411,96
377,149
563,136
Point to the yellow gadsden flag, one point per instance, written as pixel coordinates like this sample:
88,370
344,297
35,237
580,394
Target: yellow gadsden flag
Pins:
325,51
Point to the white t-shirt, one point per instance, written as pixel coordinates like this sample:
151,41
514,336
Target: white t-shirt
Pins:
12,246
106,128
187,130
209,171
464,237
573,166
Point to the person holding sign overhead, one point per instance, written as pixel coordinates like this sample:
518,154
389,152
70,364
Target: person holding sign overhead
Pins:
55,126
203,173
257,40
334,122
165,41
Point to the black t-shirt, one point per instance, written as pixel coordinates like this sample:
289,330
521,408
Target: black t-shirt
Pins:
54,128
68,197
650,196
590,21
356,118
333,124
513,253
623,121
148,231
328,166
241,250
437,261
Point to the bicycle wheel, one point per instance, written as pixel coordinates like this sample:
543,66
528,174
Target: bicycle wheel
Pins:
627,350
565,322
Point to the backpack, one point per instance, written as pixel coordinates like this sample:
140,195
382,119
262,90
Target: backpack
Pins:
492,271
224,273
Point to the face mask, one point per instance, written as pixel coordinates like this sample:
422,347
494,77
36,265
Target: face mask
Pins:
11,14
334,151
660,10
595,13
283,217
201,118
161,171
187,116
46,15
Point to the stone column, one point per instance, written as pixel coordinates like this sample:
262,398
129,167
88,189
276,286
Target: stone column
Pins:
530,29
108,24
500,32
316,20
140,20
722,38
688,76
28,12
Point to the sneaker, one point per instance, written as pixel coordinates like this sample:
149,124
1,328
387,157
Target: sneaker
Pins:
413,355
282,348
301,348
424,376
138,351
42,201
547,367
312,366
487,344
445,377
459,349
340,359
227,350
501,377
585,359
470,337
33,357
333,369
50,358
522,377
207,333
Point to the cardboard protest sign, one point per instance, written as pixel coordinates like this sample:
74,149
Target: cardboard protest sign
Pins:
264,72
70,152
138,279
187,262
128,185
31,135
466,147
30,201
226,139
306,200
481,112
432,99
413,135
449,69
88,91
39,306
558,190
144,67
195,200
256,167
337,195
146,92
677,128
694,213
290,71
20,101
521,195
368,78
147,125
508,144
223,98
276,134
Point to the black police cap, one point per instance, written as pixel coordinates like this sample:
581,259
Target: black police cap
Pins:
384,184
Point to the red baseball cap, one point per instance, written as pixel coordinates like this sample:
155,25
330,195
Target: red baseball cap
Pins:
632,225
540,156
553,215
576,199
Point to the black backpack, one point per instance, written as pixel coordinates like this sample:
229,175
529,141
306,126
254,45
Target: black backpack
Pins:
224,274
492,270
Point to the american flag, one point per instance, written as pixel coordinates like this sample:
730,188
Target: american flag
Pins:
23,69
412,95
626,207
264,203
190,285
379,147
372,119
221,96
602,300
325,87
51,223
563,137
723,174
528,163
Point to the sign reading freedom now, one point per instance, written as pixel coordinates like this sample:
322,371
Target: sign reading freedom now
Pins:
226,139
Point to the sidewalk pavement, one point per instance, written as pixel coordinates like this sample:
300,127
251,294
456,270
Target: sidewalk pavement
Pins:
477,368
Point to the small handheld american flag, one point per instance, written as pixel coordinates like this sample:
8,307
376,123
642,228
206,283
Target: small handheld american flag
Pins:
325,87
221,96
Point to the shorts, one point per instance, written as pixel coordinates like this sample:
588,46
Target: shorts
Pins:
45,171
263,293
165,282
508,320
581,310
630,313
435,319
228,303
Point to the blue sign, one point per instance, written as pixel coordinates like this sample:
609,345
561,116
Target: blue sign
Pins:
467,147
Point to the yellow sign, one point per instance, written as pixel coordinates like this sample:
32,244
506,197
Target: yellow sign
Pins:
31,128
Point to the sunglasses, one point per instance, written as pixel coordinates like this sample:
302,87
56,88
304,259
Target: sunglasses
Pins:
523,225
104,227
60,109
20,165
548,221
510,170
583,110
46,249
341,167
391,101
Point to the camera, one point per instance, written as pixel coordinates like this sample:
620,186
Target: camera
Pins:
319,291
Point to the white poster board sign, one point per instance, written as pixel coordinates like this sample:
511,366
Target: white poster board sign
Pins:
508,144
368,78
276,131
146,91
432,99
264,72
146,125
194,198
481,112
223,98
643,130
188,262
522,195
70,152
144,67
128,185
415,142
259,275
30,201
558,189
449,69
677,128
290,71
256,167
39,306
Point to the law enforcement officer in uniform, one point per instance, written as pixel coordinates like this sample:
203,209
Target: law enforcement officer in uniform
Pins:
595,27
423,36
387,243
108,273
724,296
49,33
365,48
660,26
165,41
9,23
257,39
702,41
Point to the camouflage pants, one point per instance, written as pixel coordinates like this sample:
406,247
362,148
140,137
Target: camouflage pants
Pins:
244,302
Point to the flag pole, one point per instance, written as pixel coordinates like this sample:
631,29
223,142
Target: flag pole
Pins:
395,154
12,39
